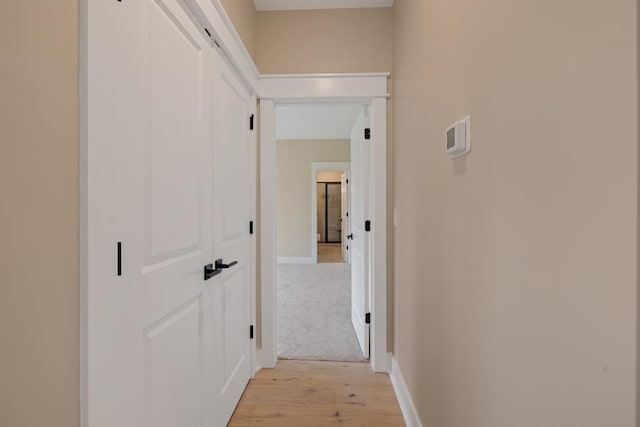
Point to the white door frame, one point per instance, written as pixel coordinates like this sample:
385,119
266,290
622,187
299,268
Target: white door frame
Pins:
322,88
315,168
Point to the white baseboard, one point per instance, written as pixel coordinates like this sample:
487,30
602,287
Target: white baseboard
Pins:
404,398
265,360
295,260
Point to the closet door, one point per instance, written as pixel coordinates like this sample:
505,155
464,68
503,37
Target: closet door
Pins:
232,206
151,71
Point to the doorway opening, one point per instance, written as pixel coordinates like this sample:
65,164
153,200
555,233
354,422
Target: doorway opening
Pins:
331,216
367,316
314,281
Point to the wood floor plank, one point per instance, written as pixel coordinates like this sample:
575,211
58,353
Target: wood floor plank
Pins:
310,394
330,252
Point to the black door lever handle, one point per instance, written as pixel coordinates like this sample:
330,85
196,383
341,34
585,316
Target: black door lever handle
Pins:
350,236
210,271
222,265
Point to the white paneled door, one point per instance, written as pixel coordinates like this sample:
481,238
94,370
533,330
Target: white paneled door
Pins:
231,290
168,194
359,244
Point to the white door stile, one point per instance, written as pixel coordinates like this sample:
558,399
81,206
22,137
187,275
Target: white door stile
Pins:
378,116
231,290
360,243
344,193
253,213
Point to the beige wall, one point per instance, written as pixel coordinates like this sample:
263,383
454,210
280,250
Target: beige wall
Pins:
243,15
324,41
516,266
294,190
39,363
334,41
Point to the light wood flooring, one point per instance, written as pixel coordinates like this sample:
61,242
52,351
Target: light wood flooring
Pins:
318,394
330,252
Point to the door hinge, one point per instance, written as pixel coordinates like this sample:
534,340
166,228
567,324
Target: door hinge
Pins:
251,332
119,258
347,213
367,318
347,247
216,43
367,133
367,225
347,181
208,33
250,227
251,122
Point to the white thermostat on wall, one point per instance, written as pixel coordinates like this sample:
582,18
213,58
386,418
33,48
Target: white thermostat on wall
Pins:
459,138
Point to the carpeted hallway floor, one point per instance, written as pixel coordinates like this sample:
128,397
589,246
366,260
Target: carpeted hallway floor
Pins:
314,313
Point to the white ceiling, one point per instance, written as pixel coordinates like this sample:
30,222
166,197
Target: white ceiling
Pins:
316,121
318,4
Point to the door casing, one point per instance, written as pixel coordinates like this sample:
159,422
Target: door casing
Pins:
363,89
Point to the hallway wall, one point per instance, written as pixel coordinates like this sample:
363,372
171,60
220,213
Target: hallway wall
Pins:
516,265
294,189
39,315
244,17
324,41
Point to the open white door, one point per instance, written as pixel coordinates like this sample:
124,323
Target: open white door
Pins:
150,188
231,291
359,243
344,192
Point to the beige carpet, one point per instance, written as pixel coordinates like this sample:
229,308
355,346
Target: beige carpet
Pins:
314,313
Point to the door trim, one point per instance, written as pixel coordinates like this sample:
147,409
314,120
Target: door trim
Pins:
315,168
316,88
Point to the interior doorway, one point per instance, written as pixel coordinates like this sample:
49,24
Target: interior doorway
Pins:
329,217
314,292
333,216
368,91
330,214
329,210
